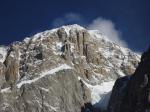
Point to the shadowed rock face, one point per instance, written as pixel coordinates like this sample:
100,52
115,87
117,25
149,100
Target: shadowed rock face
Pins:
132,94
58,71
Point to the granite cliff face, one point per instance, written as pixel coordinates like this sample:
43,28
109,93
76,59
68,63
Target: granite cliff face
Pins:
68,69
132,93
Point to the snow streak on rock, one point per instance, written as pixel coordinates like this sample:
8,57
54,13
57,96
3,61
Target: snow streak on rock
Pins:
43,74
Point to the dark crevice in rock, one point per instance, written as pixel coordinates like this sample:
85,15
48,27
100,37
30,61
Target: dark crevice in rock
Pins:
39,56
87,108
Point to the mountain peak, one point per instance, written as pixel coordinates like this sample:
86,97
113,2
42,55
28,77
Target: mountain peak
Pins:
74,26
66,62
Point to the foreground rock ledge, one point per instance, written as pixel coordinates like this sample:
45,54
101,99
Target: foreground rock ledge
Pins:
132,93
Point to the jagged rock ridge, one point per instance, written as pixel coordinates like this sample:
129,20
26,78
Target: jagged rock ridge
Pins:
61,70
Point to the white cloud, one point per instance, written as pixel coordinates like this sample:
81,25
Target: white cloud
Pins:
107,27
69,18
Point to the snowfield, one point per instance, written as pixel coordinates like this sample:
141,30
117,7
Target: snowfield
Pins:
100,94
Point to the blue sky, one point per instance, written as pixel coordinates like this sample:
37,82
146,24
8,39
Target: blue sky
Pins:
128,20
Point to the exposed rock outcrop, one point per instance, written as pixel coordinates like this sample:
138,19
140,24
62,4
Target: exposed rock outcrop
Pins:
61,70
12,65
2,75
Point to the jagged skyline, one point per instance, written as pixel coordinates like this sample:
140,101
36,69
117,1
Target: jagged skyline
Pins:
25,18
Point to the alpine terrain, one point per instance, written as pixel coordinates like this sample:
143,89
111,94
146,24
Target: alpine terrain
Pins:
72,69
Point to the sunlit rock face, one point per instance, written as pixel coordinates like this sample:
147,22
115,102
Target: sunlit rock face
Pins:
132,93
68,69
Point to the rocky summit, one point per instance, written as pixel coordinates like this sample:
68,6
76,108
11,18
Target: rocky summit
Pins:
71,69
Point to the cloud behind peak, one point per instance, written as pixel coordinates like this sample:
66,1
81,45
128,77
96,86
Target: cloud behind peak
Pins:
107,27
69,18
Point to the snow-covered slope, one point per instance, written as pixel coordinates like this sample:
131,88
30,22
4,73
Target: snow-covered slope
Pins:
100,94
88,60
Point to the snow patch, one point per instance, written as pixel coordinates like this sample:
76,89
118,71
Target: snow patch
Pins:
100,94
53,108
59,45
5,90
27,40
120,73
79,78
98,35
44,89
72,27
99,90
3,53
72,47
